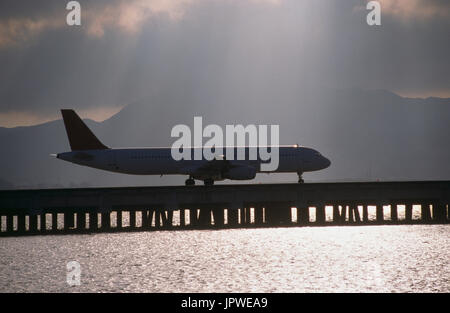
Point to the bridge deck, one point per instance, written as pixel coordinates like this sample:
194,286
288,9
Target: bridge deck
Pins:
258,205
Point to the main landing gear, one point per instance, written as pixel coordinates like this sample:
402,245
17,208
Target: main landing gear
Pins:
300,179
191,182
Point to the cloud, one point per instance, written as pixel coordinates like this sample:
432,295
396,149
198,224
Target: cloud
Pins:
422,9
127,16
16,30
407,10
197,54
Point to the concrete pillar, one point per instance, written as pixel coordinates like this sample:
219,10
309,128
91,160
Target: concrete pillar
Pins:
93,220
166,218
243,215
259,215
21,223
151,216
106,220
205,217
69,220
81,220
336,214
132,219
169,218
320,214
158,217
9,223
163,215
182,218
233,217
247,214
345,212
303,215
271,215
439,213
43,222
394,213
365,213
119,219
425,210
33,223
342,213
145,219
192,217
278,214
380,217
354,213
54,221
219,216
408,211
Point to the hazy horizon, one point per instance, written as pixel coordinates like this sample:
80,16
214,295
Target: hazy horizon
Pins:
103,114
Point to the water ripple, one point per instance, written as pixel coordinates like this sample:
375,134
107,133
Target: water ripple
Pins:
309,259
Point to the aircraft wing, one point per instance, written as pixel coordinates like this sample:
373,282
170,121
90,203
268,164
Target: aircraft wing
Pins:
213,167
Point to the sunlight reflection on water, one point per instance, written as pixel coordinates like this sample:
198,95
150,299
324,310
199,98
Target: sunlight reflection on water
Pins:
409,258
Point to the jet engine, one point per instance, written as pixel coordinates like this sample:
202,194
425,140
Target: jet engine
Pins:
240,173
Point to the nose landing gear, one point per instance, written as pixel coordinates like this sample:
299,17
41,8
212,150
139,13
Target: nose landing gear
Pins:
300,179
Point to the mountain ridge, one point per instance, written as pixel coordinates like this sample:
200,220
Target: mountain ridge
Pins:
368,135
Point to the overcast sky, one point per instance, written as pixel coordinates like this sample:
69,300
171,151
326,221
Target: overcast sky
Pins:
128,50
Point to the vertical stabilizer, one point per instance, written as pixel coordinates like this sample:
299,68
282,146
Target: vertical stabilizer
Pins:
80,136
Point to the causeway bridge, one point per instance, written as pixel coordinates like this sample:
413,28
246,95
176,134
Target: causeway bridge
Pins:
92,210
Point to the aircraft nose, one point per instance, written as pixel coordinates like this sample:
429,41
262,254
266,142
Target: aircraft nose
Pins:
326,162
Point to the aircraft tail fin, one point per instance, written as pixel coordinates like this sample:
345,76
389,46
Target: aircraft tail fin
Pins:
80,136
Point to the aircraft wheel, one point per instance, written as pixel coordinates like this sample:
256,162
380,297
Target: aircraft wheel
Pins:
300,178
190,182
209,182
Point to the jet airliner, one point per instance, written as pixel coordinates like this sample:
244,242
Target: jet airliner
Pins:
88,150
